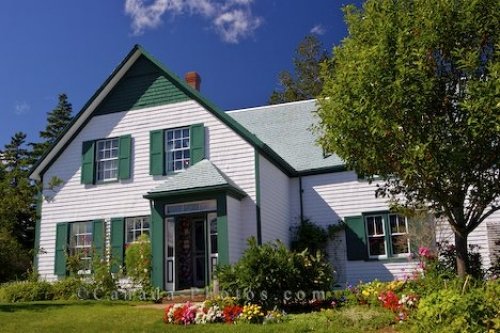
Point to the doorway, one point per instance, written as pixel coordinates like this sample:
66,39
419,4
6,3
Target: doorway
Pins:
190,250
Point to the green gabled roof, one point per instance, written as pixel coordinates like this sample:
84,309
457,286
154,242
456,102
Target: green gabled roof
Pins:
201,177
286,129
105,91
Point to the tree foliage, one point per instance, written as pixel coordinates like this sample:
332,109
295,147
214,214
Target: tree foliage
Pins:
17,210
413,95
306,83
57,120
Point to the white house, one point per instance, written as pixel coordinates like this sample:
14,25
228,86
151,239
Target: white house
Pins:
149,154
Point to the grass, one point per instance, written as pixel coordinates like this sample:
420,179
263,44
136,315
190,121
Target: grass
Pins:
103,316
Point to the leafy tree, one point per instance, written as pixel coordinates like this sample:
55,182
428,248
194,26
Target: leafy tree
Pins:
413,96
17,210
306,83
57,120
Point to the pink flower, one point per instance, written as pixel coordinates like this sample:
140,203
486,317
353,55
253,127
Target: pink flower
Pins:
424,252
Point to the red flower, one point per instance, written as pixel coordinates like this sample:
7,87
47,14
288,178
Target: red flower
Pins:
231,313
390,301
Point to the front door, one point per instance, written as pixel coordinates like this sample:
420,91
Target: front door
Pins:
190,250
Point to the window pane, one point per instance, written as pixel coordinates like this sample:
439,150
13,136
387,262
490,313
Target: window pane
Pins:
185,132
399,244
370,225
213,244
379,228
377,246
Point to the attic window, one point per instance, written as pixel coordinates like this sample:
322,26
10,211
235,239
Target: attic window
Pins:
107,160
177,149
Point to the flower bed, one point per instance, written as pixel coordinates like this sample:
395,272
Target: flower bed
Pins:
212,312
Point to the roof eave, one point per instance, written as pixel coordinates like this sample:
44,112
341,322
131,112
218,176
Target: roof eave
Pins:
230,190
41,165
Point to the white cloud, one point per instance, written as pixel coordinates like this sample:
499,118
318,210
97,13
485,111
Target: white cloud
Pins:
231,19
21,108
318,29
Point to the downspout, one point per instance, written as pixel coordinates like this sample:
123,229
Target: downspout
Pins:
301,192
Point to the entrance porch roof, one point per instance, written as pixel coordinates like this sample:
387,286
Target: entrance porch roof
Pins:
204,176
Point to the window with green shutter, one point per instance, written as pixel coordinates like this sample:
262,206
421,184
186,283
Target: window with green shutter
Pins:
355,238
98,231
117,243
377,236
60,249
173,150
106,160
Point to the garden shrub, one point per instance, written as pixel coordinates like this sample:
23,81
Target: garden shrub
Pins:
459,309
103,281
447,263
308,235
67,289
271,275
26,291
138,261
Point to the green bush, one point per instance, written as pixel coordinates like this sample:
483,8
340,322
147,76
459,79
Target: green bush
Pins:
308,235
459,309
138,262
68,288
272,275
26,291
103,281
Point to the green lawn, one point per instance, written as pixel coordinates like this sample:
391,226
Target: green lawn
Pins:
127,317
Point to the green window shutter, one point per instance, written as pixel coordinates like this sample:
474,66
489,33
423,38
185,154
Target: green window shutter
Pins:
98,237
125,152
88,155
61,244
156,153
197,143
117,242
356,238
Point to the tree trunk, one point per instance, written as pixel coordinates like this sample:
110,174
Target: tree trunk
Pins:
462,254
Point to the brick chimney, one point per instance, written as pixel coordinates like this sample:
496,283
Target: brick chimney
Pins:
193,79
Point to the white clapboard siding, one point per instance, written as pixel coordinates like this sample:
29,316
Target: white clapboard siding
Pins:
329,198
274,202
483,236
76,202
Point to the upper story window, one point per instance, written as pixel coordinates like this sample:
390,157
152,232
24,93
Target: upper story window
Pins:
135,227
80,242
387,235
177,149
107,160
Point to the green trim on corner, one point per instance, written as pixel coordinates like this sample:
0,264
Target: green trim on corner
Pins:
222,230
157,245
38,221
257,197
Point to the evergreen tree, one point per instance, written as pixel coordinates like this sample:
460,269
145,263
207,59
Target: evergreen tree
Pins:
306,83
57,120
17,208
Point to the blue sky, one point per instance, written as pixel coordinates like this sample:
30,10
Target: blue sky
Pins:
237,46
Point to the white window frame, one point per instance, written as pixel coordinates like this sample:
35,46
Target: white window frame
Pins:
75,248
106,161
391,234
142,229
376,235
387,235
177,135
